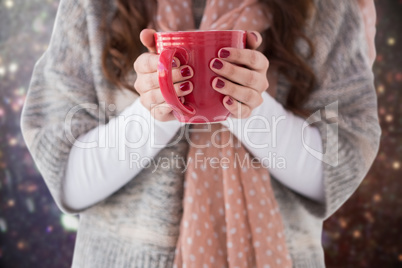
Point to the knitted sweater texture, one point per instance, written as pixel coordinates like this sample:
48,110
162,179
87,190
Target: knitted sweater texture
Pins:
138,225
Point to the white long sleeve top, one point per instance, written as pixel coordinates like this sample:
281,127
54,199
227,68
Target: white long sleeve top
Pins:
100,160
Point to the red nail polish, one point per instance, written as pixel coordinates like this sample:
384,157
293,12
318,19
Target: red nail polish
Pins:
220,83
224,53
217,64
229,101
185,72
185,86
174,65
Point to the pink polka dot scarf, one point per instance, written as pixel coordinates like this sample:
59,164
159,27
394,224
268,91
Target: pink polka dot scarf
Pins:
218,15
230,218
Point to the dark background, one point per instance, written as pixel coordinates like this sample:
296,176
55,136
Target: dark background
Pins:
365,232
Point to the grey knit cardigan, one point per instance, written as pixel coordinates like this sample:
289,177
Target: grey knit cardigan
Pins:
138,225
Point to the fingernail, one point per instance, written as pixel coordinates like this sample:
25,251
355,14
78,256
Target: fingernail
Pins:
255,36
185,86
220,83
185,72
224,53
229,101
217,64
174,64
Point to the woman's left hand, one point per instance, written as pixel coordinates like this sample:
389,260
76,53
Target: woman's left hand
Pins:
244,73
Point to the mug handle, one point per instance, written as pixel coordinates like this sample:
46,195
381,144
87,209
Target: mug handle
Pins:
165,78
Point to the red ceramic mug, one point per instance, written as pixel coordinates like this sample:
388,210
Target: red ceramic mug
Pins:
196,49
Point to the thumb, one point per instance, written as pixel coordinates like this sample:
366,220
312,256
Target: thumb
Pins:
254,40
147,39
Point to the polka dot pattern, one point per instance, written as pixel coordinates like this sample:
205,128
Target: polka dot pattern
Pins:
218,15
232,222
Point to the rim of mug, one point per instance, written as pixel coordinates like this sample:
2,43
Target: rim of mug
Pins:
201,31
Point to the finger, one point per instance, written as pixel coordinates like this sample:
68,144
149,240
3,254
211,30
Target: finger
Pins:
146,82
253,59
236,109
147,39
254,40
149,81
248,96
240,75
155,97
162,112
148,63
176,62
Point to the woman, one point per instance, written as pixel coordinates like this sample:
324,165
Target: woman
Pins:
130,208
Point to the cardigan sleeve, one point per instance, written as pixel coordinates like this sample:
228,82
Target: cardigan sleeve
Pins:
344,104
369,14
61,102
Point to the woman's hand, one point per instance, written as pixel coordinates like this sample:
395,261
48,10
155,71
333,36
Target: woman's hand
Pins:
245,76
147,84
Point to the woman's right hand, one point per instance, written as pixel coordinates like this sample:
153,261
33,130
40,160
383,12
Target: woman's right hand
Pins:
147,84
